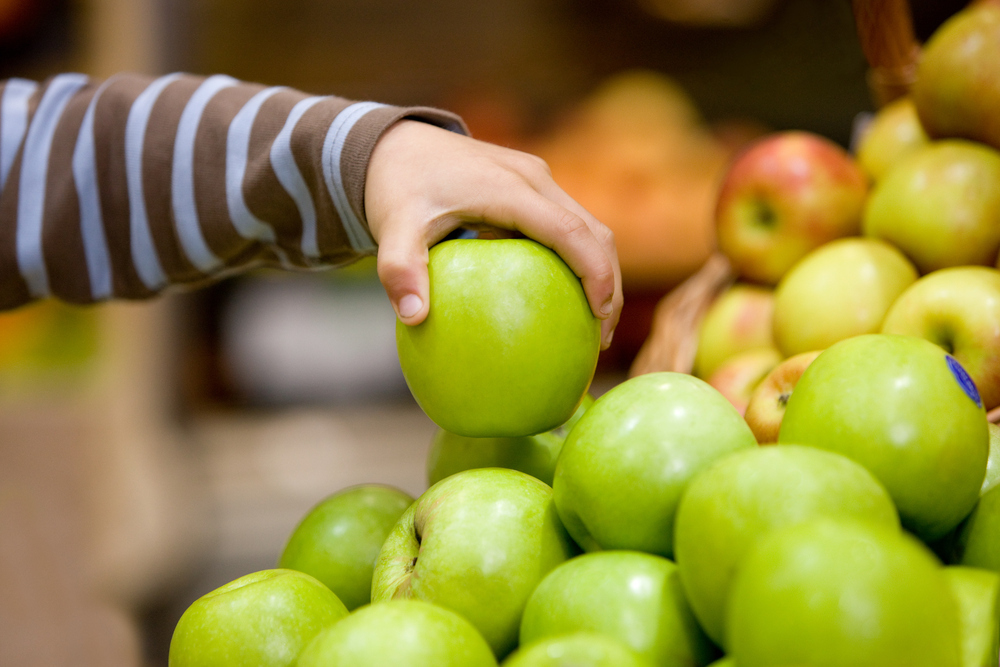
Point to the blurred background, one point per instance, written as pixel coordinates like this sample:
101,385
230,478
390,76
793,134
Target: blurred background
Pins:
152,452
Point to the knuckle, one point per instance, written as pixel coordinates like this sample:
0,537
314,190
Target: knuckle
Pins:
570,224
530,165
606,276
540,164
392,270
606,236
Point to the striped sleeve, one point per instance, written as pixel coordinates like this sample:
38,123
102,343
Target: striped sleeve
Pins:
126,187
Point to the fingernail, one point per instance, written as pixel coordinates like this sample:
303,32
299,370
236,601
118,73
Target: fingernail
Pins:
607,341
606,308
409,306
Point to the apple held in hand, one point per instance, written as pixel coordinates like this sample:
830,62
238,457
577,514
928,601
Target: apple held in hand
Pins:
580,649
842,594
908,412
399,633
633,597
957,91
841,290
977,593
532,454
959,310
338,540
786,195
738,321
477,543
767,403
940,206
510,344
894,133
729,506
263,619
624,465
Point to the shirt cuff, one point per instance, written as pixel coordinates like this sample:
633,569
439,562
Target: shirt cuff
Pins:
348,148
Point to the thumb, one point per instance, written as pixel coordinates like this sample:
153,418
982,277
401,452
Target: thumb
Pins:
402,269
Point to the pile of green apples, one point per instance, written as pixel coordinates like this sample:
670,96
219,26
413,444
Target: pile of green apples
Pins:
823,491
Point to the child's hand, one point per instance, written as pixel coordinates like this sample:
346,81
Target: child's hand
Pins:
423,182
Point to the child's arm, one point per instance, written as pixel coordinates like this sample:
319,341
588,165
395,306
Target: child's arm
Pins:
123,188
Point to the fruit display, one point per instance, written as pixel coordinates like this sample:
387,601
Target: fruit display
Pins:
822,491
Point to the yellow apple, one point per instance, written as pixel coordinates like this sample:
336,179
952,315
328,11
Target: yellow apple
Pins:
841,290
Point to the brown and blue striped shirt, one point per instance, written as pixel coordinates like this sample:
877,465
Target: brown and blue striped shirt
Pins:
122,188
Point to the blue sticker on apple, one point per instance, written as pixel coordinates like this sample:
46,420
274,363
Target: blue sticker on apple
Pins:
964,381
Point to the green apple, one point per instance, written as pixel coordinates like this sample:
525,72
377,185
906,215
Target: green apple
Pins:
978,595
738,321
894,133
532,454
940,206
725,661
739,499
263,619
580,649
631,596
979,540
993,463
787,194
509,346
338,540
738,376
957,91
959,310
478,543
841,290
767,402
399,633
907,411
624,465
839,593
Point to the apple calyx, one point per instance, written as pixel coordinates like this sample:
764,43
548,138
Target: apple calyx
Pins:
401,571
763,214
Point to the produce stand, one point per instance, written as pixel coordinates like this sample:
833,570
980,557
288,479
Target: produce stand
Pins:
885,29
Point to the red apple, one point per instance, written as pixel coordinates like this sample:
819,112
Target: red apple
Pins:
786,195
739,320
767,403
737,378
